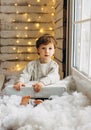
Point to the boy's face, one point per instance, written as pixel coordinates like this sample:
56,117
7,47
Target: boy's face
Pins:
46,52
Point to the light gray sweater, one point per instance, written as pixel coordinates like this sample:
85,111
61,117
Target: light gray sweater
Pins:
47,73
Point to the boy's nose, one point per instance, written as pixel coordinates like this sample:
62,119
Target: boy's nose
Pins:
47,50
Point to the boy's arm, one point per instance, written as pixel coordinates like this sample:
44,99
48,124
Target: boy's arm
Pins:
52,77
25,76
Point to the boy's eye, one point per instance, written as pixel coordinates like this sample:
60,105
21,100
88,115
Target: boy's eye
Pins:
43,47
50,48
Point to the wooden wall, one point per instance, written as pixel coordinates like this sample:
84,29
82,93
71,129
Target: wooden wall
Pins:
21,23
60,34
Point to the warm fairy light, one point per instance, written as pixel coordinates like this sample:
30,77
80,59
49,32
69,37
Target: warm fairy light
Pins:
13,20
29,5
52,14
41,30
14,48
52,7
17,35
38,0
17,41
15,4
50,28
29,43
25,14
26,35
17,12
42,8
37,25
39,17
18,51
28,19
54,1
16,57
26,28
18,67
28,57
29,49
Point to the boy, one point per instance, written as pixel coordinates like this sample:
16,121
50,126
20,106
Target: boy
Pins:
43,70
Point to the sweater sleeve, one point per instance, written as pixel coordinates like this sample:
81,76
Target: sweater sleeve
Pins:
25,76
52,76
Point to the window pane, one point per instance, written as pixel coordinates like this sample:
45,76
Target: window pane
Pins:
76,45
82,47
82,9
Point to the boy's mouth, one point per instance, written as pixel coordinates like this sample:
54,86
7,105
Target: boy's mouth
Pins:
46,55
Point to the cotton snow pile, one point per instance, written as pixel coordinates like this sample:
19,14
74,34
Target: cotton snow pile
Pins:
68,112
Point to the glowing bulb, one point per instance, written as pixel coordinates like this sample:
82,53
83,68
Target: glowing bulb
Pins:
39,17
38,0
26,28
28,19
42,8
52,7
18,67
17,41
13,20
50,28
17,35
37,25
17,12
29,5
28,57
52,14
29,49
25,14
29,43
16,4
54,1
16,27
41,30
16,57
14,48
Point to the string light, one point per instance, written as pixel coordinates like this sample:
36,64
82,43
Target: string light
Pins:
50,28
38,0
28,19
52,14
18,67
41,30
17,12
29,43
42,8
37,26
29,5
14,48
26,28
15,4
17,41
29,49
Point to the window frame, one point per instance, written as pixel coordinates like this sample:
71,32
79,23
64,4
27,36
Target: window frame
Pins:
70,69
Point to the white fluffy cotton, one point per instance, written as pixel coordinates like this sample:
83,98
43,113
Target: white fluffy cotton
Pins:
68,112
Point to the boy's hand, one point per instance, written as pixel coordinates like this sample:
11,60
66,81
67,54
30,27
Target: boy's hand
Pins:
18,85
38,86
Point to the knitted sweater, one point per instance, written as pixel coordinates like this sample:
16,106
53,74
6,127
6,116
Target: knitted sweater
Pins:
47,73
